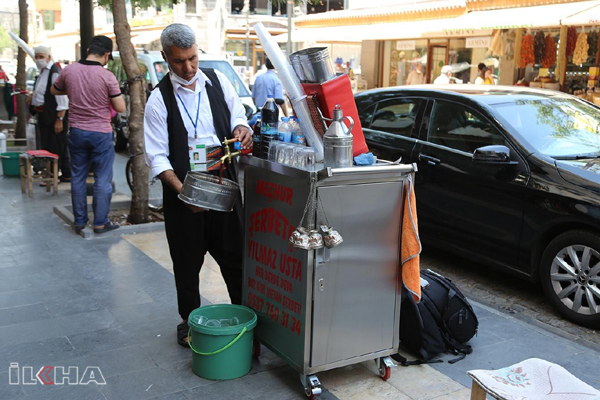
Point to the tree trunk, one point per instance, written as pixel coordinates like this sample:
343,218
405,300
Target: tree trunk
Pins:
139,196
22,110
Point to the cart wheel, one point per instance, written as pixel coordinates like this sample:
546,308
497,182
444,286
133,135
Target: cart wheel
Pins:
256,348
385,373
308,391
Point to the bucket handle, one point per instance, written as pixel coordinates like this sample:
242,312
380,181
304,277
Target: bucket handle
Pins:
212,353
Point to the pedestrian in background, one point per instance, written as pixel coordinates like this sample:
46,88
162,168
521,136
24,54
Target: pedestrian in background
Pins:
415,76
51,111
267,84
479,79
92,90
485,77
445,75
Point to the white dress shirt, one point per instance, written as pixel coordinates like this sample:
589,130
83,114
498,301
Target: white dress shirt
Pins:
155,119
62,101
442,80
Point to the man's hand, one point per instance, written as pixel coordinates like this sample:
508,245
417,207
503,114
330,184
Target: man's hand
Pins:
29,97
194,209
58,126
244,135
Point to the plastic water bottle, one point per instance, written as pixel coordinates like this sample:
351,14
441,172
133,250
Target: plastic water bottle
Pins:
256,140
269,116
297,134
213,323
229,322
284,130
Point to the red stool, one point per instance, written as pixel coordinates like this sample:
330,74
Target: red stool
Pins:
49,173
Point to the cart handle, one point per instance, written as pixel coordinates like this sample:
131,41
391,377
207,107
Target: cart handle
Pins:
370,169
212,353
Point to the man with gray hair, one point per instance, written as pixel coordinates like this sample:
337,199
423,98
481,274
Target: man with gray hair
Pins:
194,110
444,77
51,128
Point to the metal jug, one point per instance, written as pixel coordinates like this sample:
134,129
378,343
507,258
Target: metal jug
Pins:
337,141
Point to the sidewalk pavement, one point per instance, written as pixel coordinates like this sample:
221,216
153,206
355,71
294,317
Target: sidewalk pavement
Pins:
110,303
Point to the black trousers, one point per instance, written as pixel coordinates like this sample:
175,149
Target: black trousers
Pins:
57,144
190,235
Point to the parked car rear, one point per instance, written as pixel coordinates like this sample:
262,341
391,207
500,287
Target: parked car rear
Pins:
506,176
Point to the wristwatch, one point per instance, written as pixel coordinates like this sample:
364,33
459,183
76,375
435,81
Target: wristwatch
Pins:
60,118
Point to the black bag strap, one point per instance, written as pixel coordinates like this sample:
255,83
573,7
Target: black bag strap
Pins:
405,363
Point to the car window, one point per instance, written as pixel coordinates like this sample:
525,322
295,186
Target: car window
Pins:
557,127
161,68
229,72
365,116
31,74
396,116
454,126
116,67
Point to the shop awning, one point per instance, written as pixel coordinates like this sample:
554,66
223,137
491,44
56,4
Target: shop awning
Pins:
358,33
475,22
146,37
589,16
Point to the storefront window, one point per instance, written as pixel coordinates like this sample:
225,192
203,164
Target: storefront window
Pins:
462,61
259,7
407,62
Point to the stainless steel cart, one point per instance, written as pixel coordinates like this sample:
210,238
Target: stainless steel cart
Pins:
325,308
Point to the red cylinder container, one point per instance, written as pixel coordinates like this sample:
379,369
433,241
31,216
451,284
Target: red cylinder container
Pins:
339,91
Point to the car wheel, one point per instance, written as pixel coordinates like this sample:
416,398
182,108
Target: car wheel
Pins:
570,275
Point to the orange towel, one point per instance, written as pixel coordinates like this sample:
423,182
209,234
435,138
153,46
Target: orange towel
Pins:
411,244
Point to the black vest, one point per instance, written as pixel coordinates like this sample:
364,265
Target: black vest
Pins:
49,115
178,135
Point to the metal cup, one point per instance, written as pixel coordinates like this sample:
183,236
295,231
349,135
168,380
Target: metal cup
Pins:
331,237
315,240
299,238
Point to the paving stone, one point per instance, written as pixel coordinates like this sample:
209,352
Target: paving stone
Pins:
55,327
144,384
39,353
373,388
101,340
183,370
72,307
36,295
142,312
75,392
172,396
410,381
17,315
8,391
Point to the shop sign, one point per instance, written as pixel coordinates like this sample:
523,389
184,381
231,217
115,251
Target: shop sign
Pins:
405,45
478,42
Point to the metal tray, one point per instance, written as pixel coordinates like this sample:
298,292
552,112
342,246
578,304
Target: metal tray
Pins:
204,190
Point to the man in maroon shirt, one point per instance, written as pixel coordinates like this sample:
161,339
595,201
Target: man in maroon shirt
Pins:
92,90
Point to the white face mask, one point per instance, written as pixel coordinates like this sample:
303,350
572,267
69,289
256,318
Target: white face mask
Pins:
180,80
41,64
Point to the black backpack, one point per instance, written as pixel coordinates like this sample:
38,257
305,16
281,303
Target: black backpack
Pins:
443,321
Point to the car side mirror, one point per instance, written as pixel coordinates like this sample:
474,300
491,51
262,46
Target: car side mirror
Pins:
494,154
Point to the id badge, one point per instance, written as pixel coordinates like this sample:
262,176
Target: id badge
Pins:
197,156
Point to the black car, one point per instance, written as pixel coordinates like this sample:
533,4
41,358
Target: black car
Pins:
507,176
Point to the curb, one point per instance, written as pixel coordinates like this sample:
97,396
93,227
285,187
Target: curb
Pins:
66,214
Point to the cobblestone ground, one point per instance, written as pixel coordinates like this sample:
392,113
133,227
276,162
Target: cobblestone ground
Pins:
507,293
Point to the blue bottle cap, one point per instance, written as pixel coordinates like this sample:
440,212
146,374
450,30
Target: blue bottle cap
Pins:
237,146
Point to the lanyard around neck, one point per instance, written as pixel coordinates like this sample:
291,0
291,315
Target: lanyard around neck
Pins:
194,124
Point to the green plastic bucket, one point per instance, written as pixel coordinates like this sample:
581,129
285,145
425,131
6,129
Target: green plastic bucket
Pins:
221,353
10,163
